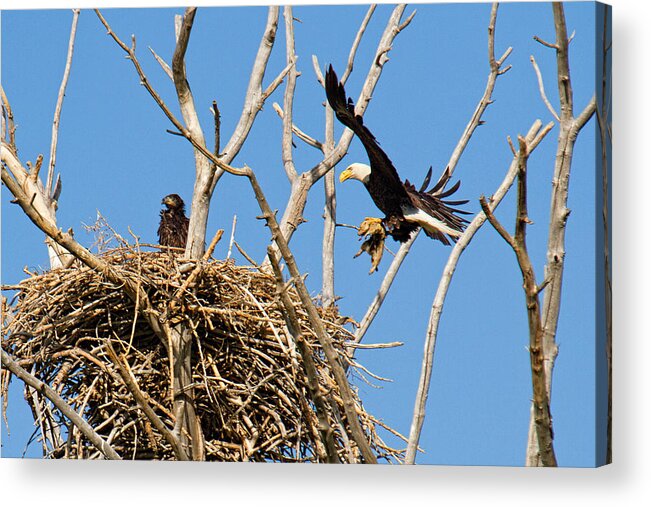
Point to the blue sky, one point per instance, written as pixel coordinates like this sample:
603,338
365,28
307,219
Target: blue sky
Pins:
115,156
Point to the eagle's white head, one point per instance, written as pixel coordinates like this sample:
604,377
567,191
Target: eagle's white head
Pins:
356,171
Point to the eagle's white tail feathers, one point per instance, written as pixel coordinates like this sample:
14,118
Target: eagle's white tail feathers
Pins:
427,222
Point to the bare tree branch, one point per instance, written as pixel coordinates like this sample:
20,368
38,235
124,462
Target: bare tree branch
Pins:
43,198
495,71
59,105
101,444
329,219
31,185
163,64
9,129
204,170
306,138
288,104
541,86
356,42
254,98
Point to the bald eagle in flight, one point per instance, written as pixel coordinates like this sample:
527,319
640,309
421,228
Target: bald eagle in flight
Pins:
173,228
405,208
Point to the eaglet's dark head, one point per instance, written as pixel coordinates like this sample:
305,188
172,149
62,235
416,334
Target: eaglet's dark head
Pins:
173,201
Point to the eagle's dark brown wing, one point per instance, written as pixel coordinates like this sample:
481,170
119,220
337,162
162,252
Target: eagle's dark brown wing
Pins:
384,184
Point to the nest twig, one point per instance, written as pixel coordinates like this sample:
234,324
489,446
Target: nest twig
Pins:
251,391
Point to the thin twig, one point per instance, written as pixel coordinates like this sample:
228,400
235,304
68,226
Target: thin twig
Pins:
356,42
541,87
495,67
254,99
166,68
298,132
230,243
11,126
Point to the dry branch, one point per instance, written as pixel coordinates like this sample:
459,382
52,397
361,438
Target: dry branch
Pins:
59,105
204,170
288,103
44,198
8,124
255,96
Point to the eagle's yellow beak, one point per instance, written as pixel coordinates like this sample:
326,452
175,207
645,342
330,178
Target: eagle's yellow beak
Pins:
345,174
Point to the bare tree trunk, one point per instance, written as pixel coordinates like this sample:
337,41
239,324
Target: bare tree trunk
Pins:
568,130
204,171
540,406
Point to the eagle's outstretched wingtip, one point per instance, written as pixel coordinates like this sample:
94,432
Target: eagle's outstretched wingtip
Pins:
335,92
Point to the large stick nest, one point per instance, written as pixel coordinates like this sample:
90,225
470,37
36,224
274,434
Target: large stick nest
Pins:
250,386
